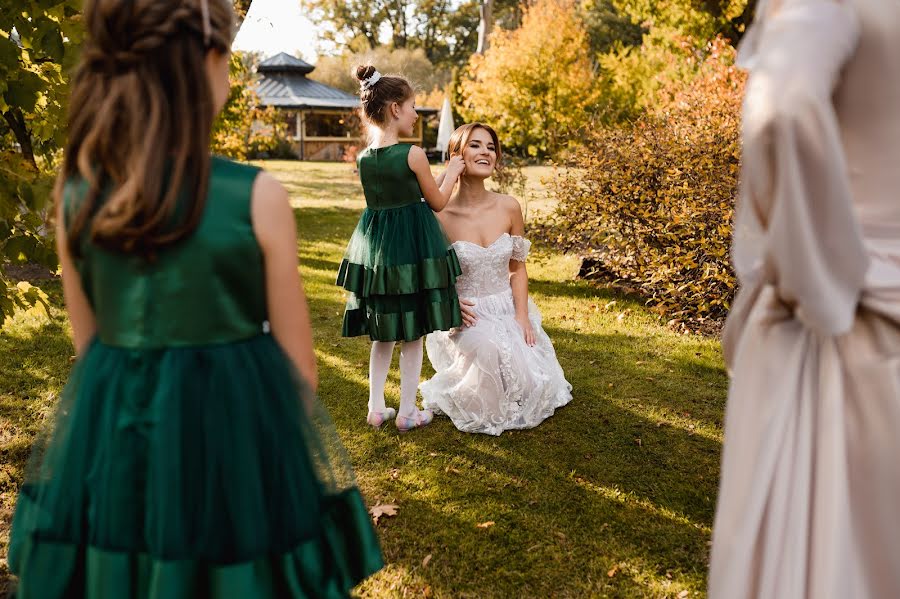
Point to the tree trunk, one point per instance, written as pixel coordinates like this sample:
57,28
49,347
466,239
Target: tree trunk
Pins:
485,26
16,122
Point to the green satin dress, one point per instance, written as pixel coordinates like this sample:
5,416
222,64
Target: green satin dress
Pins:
399,268
182,462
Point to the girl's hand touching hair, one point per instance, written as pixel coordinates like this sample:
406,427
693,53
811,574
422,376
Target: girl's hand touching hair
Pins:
455,166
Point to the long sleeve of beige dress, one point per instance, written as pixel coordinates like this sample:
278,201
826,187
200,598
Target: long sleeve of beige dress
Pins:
809,501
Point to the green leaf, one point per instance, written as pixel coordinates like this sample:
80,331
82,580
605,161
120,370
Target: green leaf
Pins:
52,44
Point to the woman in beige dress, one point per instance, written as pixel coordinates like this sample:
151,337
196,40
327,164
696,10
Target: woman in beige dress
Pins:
809,504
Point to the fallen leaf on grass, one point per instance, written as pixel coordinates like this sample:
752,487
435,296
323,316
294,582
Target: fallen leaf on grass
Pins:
560,535
426,592
613,571
487,524
683,594
426,560
383,509
395,473
452,469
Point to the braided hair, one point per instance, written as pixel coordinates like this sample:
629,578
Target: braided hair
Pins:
140,121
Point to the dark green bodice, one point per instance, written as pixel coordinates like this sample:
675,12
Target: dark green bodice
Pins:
386,177
208,288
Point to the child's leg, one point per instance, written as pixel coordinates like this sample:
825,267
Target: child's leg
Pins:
411,353
379,364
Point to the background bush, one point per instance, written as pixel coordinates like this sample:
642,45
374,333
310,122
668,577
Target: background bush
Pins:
653,200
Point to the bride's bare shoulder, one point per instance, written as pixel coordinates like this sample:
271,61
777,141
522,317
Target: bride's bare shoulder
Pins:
510,207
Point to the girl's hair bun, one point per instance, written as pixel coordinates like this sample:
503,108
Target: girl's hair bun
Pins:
364,71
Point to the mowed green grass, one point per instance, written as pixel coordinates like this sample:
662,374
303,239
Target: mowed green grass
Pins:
611,497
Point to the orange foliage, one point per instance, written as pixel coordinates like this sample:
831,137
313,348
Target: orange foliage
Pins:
654,200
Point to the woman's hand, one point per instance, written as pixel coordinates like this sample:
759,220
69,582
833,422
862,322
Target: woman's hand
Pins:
467,308
527,330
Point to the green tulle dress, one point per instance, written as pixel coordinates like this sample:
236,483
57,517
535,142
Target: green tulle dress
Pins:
182,461
399,268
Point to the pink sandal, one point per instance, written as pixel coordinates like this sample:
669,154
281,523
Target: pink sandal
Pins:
422,418
376,419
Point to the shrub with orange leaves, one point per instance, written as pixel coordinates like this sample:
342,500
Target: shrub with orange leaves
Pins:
653,200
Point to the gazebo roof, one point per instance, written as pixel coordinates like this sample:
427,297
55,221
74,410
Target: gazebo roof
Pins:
285,63
291,90
283,83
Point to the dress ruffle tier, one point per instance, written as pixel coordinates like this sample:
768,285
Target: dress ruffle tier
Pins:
400,271
196,472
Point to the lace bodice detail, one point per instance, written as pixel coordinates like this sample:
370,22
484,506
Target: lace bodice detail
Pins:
486,269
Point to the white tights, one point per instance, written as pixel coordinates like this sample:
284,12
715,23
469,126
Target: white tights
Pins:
411,354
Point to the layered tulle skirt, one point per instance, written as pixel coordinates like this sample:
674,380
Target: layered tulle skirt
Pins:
487,379
193,472
399,270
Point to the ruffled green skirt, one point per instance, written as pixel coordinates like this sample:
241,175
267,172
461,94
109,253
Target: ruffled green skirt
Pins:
200,472
399,270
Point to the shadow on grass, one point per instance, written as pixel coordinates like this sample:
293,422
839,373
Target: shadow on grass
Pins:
569,500
614,482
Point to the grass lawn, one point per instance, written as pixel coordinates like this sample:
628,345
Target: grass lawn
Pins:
611,497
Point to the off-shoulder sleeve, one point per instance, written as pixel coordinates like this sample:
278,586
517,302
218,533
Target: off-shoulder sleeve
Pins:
521,247
795,224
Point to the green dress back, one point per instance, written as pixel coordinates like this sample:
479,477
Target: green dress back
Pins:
183,461
399,268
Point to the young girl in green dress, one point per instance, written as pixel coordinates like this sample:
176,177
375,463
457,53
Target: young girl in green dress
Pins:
189,456
399,268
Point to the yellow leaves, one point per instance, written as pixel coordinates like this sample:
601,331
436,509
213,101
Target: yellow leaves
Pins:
536,83
487,524
654,199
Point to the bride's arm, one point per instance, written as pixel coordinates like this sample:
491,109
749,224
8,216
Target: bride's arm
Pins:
518,274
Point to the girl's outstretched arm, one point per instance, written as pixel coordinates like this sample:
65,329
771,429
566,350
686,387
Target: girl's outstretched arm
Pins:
275,230
436,196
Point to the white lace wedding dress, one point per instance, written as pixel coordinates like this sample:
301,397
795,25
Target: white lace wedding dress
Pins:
488,379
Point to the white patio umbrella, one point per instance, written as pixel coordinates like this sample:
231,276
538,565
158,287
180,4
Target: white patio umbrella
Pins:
445,128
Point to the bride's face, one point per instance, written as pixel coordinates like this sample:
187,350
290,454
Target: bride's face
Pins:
480,155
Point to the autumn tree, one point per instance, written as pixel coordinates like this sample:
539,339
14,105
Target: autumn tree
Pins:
38,45
652,200
244,128
535,84
445,30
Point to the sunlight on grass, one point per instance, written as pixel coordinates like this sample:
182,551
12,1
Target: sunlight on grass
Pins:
611,497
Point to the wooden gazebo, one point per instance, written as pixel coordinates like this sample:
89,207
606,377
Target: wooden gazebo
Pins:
321,120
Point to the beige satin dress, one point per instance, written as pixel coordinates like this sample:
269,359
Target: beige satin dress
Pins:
809,501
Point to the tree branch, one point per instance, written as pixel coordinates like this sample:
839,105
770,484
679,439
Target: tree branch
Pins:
16,121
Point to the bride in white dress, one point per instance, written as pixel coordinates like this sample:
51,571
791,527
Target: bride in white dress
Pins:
501,372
